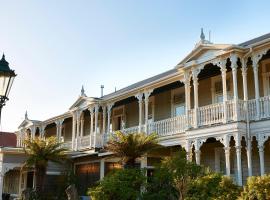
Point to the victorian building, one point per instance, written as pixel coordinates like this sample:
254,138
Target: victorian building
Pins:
215,103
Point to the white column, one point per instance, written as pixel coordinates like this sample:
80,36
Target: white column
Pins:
102,168
244,77
33,132
187,90
227,160
261,141
82,129
78,113
255,62
74,120
60,128
238,158
198,145
143,162
139,97
96,124
103,124
233,59
226,143
42,131
188,149
104,119
91,110
57,129
187,96
195,73
223,70
109,110
146,103
249,160
59,125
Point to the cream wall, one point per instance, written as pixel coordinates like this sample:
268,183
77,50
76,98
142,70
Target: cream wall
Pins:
67,133
132,114
51,131
162,105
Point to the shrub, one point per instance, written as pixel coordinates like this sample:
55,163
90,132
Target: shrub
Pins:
124,184
212,187
257,188
161,186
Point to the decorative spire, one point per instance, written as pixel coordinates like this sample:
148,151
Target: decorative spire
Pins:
202,35
26,115
82,91
3,57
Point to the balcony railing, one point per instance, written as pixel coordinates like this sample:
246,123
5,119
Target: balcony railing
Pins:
219,113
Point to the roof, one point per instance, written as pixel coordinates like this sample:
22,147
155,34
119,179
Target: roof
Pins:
141,83
255,40
8,139
170,72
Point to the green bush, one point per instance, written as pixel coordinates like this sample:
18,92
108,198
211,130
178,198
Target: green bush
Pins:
257,188
161,186
124,184
212,187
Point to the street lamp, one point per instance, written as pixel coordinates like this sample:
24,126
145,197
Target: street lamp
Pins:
7,76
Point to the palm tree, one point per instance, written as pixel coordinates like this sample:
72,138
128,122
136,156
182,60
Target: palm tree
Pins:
129,147
39,152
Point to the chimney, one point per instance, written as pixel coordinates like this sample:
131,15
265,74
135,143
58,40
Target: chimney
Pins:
102,87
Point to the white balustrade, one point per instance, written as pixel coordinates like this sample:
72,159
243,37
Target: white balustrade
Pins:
207,115
133,129
169,126
84,142
230,105
242,109
264,107
211,114
252,112
67,145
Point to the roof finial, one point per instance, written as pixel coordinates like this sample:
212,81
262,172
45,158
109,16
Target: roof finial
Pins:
3,57
82,91
202,35
26,115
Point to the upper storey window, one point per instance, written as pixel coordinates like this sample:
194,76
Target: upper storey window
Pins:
178,103
217,89
266,76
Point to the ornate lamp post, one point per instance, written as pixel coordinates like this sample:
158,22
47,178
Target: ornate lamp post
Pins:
7,76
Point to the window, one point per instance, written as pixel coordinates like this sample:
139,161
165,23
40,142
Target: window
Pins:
266,77
179,110
178,102
217,89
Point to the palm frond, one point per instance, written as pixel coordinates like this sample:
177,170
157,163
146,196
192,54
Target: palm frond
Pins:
132,146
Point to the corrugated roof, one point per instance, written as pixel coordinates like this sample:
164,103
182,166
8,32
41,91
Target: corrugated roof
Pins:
7,139
140,83
255,40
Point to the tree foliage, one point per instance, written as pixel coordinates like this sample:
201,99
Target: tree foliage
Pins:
129,147
212,186
39,152
175,173
257,188
124,184
161,186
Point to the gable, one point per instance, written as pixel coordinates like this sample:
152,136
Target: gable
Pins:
203,55
204,52
25,123
83,101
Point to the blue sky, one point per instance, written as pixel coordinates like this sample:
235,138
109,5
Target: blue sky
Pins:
56,47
